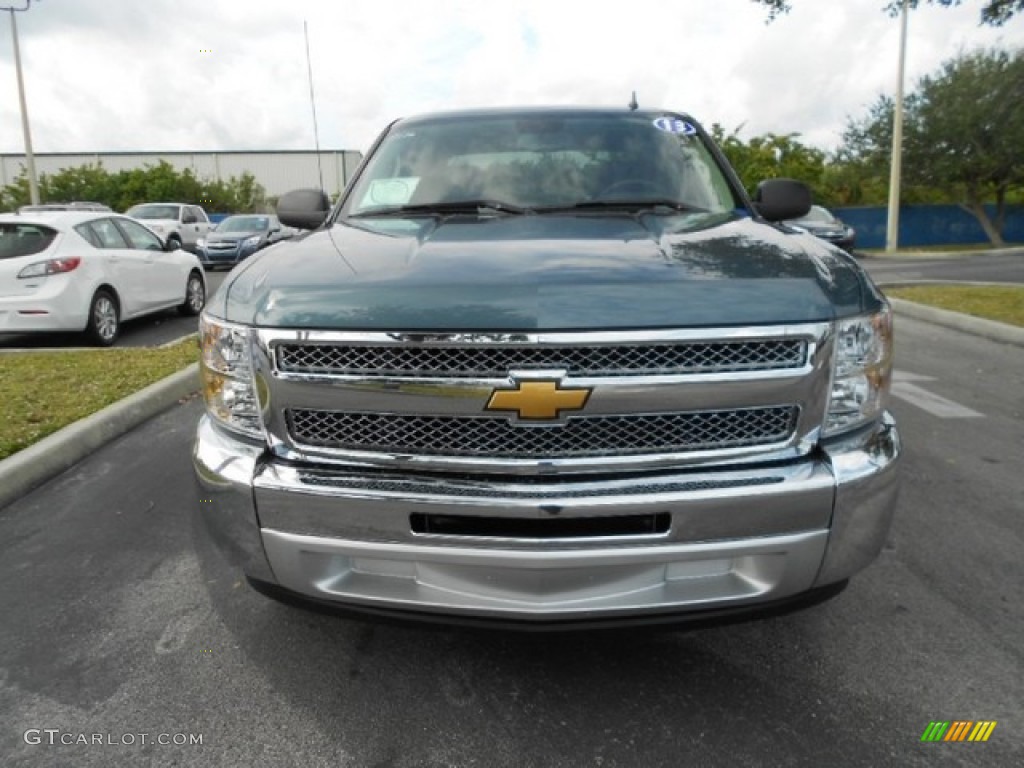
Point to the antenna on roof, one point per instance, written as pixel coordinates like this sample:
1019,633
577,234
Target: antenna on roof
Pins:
312,102
633,106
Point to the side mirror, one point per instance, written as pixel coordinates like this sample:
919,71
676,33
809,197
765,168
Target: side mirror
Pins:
303,208
171,245
781,199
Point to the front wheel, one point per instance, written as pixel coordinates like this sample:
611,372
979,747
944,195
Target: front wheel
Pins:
104,322
195,295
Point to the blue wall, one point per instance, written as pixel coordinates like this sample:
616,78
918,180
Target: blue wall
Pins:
928,225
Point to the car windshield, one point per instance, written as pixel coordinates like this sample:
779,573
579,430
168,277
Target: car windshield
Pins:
153,212
24,239
244,224
536,161
817,215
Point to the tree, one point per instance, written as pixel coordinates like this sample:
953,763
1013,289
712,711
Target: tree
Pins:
139,185
994,13
773,156
964,128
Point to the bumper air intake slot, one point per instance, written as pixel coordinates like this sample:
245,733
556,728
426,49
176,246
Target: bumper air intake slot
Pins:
547,528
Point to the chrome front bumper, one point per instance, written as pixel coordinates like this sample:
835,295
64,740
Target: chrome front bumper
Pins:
737,537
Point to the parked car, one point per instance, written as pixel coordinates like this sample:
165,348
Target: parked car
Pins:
74,206
821,222
90,271
548,367
177,223
237,237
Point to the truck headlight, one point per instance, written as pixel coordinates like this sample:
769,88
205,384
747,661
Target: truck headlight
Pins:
226,370
862,371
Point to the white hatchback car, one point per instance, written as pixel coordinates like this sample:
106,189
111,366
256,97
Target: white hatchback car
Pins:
90,271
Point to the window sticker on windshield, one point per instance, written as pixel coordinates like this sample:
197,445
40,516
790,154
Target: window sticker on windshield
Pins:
396,191
674,125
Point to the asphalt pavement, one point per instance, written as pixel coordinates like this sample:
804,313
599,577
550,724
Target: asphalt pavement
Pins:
122,624
983,267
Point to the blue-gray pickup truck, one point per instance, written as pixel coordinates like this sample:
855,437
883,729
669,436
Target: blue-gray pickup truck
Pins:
548,368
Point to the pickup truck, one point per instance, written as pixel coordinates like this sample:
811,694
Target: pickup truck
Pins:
177,224
548,368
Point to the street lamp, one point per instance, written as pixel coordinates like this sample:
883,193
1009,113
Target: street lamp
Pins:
30,160
892,230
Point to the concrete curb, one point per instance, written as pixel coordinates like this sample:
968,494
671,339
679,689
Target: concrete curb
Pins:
989,329
36,464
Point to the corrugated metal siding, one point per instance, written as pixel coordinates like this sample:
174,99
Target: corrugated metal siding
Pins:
278,172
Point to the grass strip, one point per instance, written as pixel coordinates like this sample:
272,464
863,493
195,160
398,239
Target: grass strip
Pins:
42,391
1003,303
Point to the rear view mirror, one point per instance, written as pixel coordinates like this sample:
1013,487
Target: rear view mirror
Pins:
303,208
781,199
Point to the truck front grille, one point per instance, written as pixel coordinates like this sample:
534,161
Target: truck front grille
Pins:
583,436
477,361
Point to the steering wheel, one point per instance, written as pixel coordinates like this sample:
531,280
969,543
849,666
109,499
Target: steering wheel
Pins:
636,185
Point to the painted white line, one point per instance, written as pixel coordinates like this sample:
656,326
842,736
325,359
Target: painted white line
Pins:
908,376
933,404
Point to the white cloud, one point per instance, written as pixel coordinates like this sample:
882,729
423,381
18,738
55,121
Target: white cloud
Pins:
131,75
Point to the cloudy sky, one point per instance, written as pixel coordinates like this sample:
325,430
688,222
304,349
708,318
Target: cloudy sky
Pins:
108,75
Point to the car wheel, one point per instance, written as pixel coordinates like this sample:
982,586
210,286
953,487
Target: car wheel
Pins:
195,295
104,319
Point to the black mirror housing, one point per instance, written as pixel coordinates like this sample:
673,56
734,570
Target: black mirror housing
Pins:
303,208
781,199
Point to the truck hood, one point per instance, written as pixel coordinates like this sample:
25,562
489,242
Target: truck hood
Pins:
544,272
151,223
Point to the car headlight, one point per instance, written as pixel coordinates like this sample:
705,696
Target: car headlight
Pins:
227,376
862,371
201,242
251,242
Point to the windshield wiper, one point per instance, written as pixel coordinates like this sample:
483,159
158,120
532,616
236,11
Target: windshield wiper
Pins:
480,207
650,204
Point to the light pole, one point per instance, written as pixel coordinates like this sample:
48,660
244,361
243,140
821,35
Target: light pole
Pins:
892,229
30,160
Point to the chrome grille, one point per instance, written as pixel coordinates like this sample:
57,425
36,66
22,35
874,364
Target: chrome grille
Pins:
589,436
476,361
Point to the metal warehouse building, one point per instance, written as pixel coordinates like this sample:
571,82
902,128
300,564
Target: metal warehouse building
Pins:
276,170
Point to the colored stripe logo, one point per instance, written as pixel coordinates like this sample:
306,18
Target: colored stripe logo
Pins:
958,730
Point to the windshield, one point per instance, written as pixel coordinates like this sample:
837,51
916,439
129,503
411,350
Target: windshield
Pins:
18,239
817,215
541,160
244,224
153,212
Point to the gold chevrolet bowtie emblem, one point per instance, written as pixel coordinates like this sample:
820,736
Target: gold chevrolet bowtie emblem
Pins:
538,400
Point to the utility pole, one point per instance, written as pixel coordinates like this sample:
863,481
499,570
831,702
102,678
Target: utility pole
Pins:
892,230
30,159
